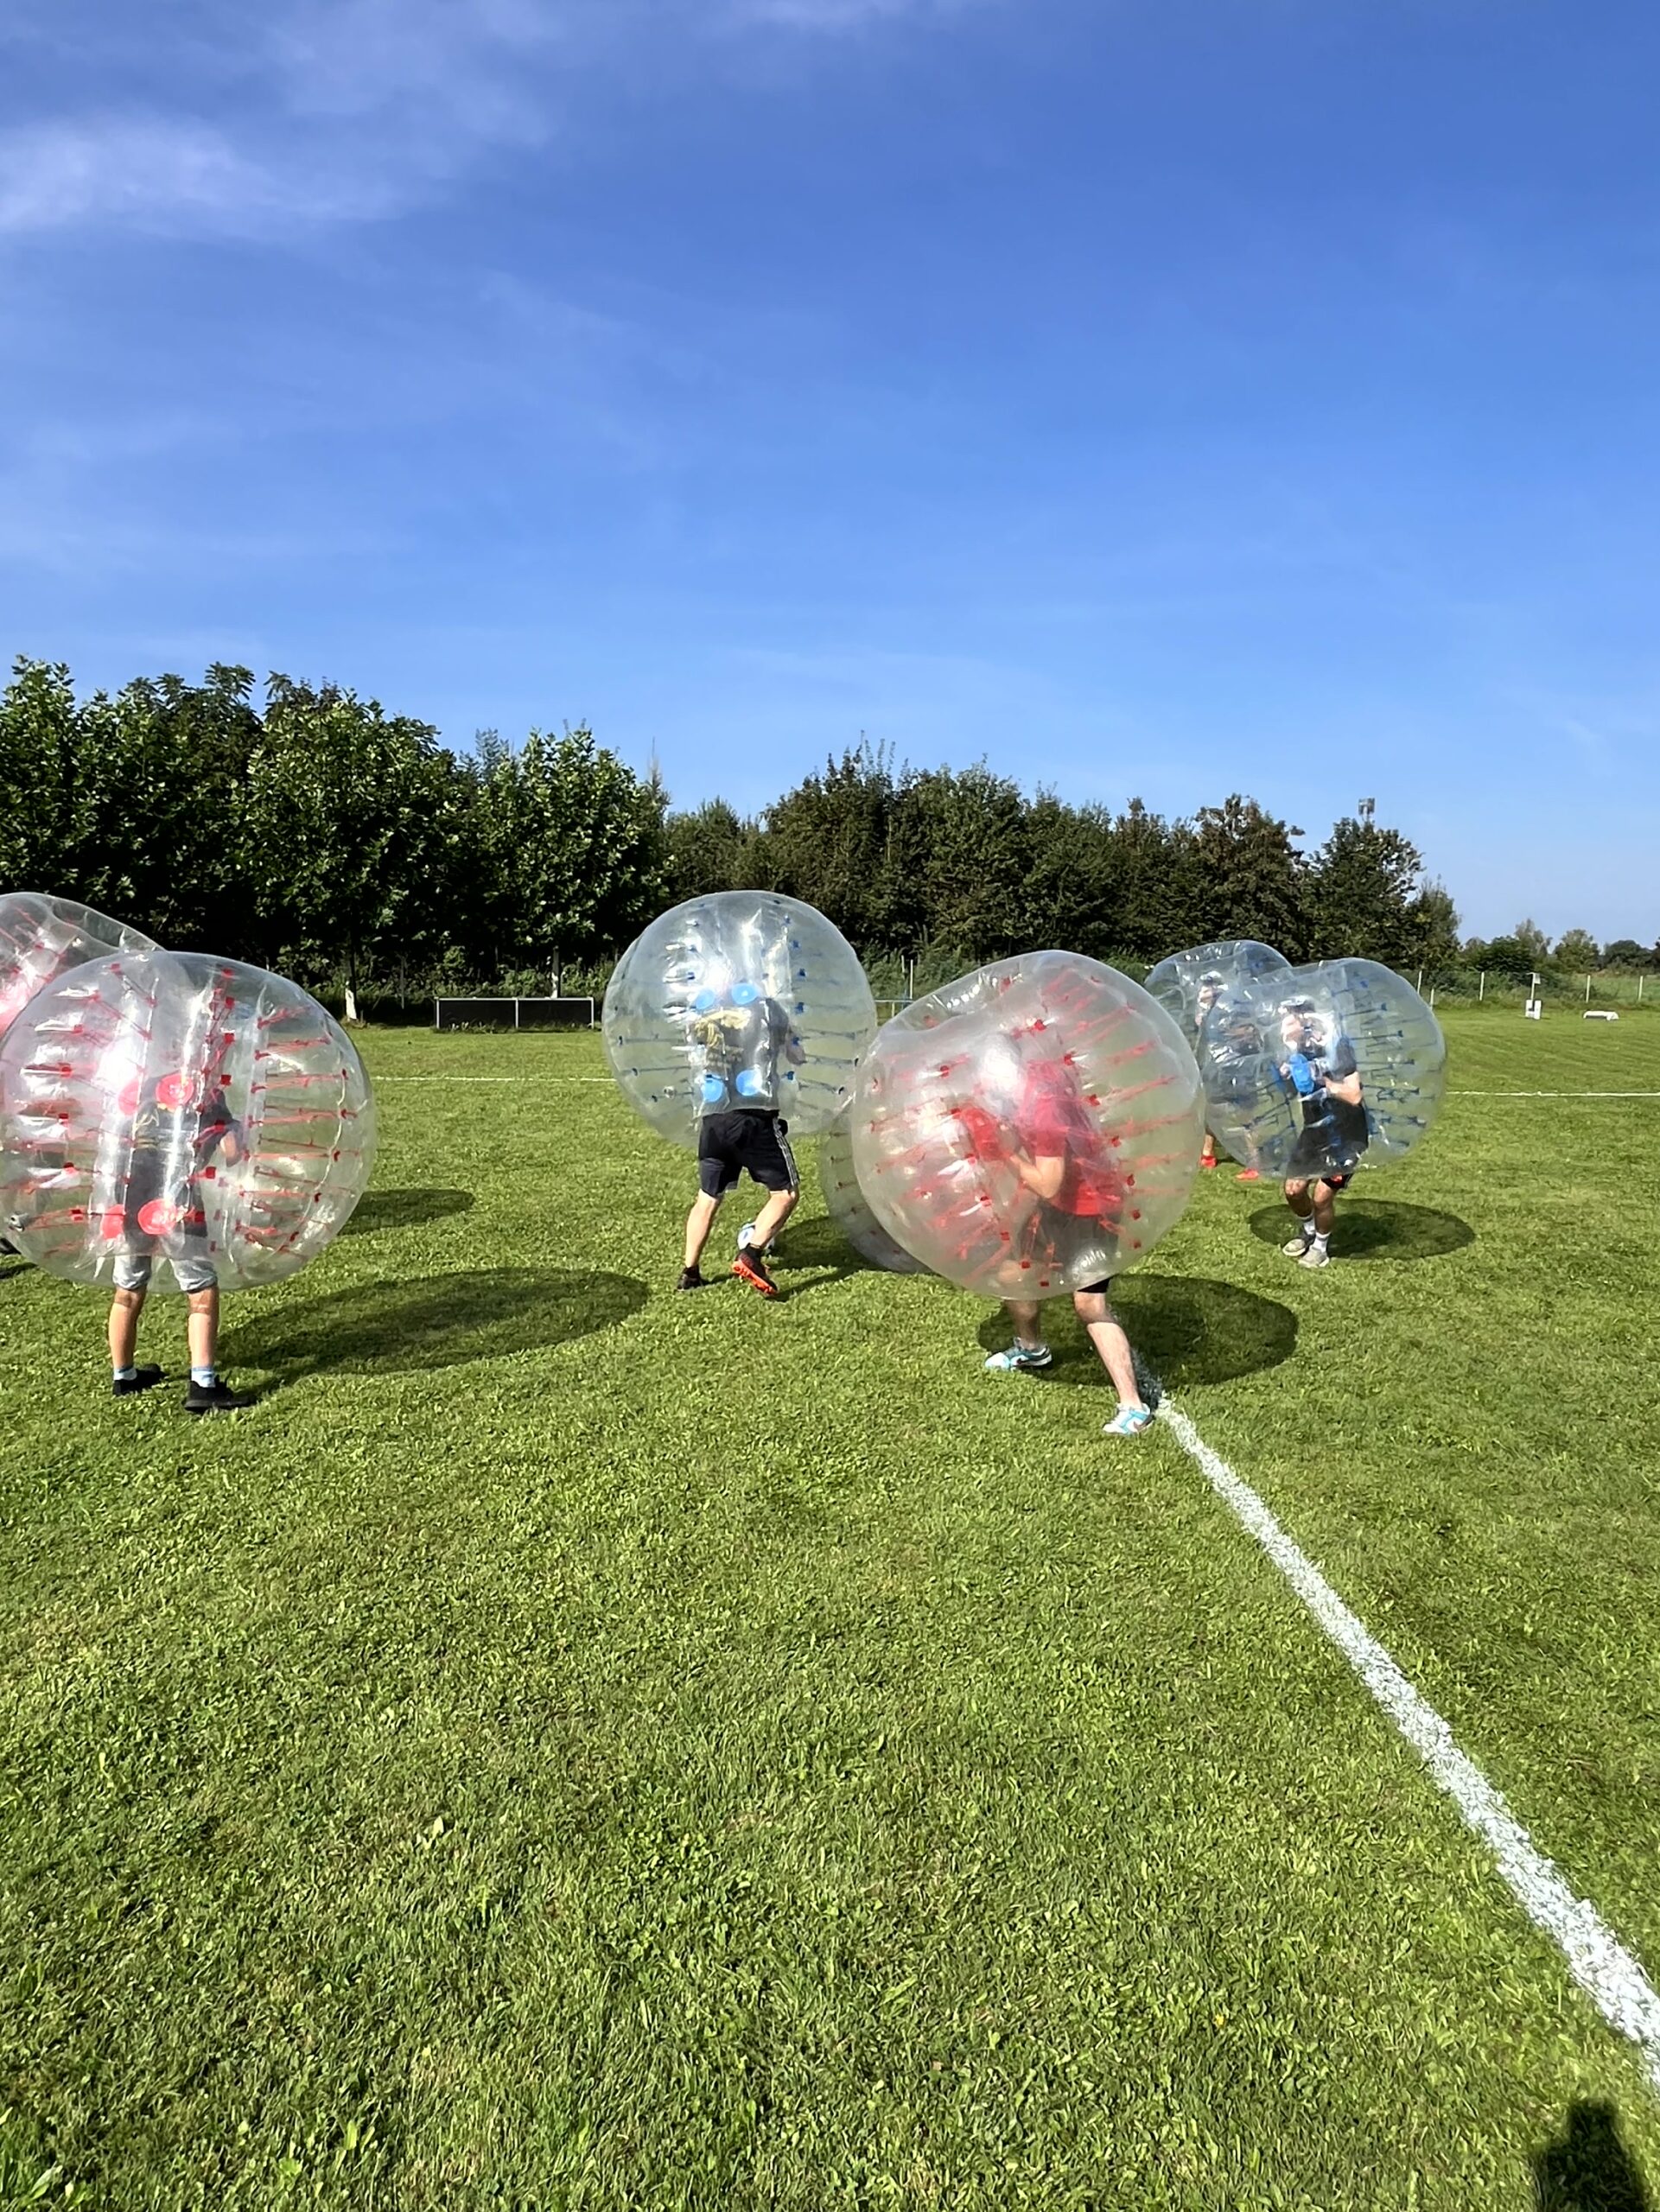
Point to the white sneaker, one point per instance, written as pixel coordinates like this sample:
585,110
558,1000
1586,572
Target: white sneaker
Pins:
1020,1359
1316,1255
1297,1247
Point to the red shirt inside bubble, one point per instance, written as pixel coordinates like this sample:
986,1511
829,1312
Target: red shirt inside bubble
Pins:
1054,1122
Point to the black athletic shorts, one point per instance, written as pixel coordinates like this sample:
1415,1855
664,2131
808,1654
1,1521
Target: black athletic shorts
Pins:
1316,1158
739,1142
1050,1230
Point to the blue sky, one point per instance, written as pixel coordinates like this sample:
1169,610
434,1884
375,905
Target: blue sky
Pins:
1155,396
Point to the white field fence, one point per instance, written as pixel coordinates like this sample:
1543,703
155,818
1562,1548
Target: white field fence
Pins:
1604,989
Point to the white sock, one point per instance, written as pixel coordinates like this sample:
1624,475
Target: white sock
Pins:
1319,1241
1306,1228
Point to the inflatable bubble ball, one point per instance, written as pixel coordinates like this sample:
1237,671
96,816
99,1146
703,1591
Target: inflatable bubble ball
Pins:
849,1209
175,1107
1032,1129
741,1001
1208,991
1188,985
1334,1067
42,938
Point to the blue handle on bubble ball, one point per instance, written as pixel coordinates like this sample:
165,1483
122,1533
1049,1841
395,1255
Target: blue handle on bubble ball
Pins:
1302,1076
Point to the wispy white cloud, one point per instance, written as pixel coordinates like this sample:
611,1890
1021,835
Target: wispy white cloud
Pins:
1555,732
472,73
838,15
340,110
159,173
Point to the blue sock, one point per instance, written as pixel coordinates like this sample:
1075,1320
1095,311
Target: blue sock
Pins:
204,1377
126,1374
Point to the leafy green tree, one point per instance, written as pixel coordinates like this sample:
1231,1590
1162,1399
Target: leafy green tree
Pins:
962,857
354,820
1433,927
1512,956
1072,889
708,849
831,841
1576,950
1155,903
167,768
46,812
573,846
1534,942
1626,952
1361,887
1247,876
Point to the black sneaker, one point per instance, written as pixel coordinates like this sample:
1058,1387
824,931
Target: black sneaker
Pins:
127,1386
691,1279
217,1398
752,1268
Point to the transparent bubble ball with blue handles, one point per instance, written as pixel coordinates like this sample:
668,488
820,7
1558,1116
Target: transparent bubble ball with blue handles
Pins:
738,1002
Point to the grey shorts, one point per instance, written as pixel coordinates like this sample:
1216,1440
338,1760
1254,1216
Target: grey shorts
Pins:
132,1272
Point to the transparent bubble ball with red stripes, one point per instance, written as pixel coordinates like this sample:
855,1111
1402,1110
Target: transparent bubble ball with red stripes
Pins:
41,938
1032,1129
163,1107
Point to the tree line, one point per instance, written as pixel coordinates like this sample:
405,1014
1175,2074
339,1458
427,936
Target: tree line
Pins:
314,833
1527,950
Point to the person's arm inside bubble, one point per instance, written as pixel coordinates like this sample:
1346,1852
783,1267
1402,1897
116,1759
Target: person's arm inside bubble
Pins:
1044,1175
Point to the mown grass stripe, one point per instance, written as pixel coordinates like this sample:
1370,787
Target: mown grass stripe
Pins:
1609,1974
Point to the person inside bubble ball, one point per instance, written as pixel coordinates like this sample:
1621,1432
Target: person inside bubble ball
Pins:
742,1039
1231,1045
1320,1064
181,1129
1207,1014
1046,1138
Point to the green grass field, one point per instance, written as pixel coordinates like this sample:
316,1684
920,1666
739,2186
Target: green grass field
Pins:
576,1746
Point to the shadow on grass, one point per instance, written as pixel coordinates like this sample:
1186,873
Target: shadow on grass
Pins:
387,1328
21,1269
1376,1229
819,1244
1588,2168
404,1210
1188,1330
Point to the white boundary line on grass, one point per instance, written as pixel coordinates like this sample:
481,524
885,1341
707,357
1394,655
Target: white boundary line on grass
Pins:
491,1079
605,1080
1609,1974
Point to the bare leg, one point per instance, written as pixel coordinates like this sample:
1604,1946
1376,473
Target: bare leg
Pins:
1207,1155
202,1327
124,1308
1106,1333
1325,1208
780,1204
699,1222
1297,1198
1028,1330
